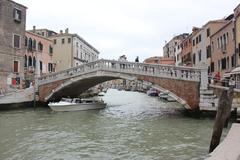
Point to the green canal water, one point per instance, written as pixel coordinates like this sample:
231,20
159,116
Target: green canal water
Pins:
133,126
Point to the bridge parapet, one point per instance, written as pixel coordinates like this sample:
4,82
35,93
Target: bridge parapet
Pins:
164,71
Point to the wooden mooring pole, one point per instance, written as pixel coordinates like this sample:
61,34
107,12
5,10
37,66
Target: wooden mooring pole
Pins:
223,114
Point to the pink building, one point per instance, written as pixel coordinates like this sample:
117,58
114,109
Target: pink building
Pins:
38,55
222,49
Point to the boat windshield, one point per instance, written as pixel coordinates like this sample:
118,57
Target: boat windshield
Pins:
66,100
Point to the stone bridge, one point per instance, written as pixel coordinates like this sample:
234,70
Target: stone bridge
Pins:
183,82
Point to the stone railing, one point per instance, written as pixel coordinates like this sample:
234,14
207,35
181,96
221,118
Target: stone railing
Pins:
156,70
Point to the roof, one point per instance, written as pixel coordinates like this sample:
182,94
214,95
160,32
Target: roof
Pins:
76,35
17,4
215,21
35,34
229,23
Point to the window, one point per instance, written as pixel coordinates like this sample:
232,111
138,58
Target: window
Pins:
15,66
228,63
193,42
50,49
197,40
194,58
208,32
233,33
50,67
40,46
41,67
239,49
42,33
199,37
218,44
212,67
223,63
34,62
63,40
221,42
16,41
55,41
69,40
17,14
233,61
199,55
224,42
227,38
30,43
26,41
25,61
77,44
29,61
208,51
34,45
219,65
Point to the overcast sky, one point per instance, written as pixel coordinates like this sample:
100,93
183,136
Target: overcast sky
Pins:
130,27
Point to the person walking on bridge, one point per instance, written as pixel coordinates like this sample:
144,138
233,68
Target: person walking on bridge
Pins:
137,60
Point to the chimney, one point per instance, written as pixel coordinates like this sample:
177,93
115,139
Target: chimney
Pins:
61,32
34,29
66,31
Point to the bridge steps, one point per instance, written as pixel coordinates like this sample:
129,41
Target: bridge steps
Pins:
208,100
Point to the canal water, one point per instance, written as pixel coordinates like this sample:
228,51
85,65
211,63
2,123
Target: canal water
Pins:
133,126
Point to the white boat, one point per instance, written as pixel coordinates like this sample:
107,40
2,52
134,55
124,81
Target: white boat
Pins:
163,95
76,104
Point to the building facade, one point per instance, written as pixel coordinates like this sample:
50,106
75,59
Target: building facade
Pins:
201,45
153,60
12,33
170,48
237,33
71,50
186,53
222,50
38,55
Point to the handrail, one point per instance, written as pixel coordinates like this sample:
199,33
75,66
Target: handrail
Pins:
158,70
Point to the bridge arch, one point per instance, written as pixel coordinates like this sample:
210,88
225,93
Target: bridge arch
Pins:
183,82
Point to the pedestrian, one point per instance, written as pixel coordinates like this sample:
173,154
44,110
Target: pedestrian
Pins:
137,60
217,77
231,82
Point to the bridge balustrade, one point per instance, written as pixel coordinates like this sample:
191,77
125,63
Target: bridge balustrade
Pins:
165,71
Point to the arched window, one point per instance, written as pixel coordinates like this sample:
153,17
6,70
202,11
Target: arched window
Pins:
29,61
30,43
34,44
26,41
34,62
25,61
40,46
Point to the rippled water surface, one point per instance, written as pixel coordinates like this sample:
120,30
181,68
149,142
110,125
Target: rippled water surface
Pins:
133,126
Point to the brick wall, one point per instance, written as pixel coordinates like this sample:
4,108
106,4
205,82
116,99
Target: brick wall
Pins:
187,90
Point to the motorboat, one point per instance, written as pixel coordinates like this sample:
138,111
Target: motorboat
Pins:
77,104
153,92
166,96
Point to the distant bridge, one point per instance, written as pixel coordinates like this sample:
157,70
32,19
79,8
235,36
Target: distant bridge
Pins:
183,82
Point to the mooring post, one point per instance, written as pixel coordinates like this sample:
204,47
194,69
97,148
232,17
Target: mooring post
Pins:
223,114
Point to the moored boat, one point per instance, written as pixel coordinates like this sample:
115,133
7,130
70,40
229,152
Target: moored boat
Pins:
153,92
76,104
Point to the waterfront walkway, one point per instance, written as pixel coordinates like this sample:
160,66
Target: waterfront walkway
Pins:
229,149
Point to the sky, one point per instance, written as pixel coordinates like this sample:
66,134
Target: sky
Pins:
130,27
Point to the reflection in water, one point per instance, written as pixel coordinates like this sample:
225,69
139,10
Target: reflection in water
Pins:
133,126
